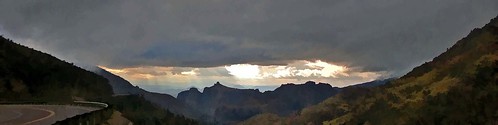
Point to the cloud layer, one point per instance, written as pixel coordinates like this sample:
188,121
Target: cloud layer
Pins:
246,75
373,35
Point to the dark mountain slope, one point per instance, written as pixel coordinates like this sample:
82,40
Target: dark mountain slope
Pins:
458,87
143,112
119,85
290,98
374,83
219,103
123,87
229,105
30,75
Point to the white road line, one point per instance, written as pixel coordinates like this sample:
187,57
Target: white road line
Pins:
52,113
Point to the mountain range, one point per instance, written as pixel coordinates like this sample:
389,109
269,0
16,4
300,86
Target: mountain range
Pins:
220,104
229,105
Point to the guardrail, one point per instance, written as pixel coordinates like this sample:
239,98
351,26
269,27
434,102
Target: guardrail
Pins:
74,103
93,103
90,118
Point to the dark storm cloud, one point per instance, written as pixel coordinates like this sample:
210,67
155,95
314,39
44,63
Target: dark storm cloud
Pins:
376,35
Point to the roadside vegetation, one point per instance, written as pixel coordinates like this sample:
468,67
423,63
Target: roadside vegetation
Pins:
28,76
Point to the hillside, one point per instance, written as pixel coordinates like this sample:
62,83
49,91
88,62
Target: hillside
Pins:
142,112
123,87
119,85
457,87
30,75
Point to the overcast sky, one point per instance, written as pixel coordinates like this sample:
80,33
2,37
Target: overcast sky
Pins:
183,43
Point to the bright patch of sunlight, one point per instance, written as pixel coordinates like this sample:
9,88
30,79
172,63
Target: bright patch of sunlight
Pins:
245,71
326,69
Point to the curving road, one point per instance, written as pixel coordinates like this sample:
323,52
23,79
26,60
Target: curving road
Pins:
38,114
51,113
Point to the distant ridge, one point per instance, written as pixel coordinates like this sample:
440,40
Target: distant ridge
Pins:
123,87
373,83
225,105
119,85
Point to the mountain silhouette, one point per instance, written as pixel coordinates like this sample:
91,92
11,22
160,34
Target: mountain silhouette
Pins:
121,87
224,105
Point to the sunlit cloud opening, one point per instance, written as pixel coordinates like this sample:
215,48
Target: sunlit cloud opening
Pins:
300,68
191,72
326,69
113,70
244,71
283,71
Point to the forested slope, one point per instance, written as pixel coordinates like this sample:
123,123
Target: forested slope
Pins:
459,86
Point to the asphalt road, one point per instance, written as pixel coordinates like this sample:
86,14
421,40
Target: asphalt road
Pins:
38,114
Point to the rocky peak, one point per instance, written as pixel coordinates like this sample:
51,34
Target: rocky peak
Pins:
310,83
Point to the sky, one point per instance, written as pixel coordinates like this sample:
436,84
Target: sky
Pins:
166,45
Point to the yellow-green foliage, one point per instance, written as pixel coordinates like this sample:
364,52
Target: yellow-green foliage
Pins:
340,120
443,85
457,87
264,119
